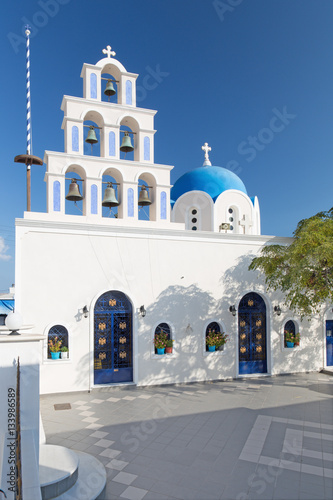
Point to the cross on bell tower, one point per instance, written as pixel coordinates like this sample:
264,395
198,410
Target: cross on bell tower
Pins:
206,149
108,51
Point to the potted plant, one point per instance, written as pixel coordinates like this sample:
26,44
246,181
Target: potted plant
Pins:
160,341
168,346
54,347
289,337
64,352
297,339
211,340
222,338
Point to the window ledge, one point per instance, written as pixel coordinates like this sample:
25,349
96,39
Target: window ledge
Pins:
214,353
291,349
56,361
161,356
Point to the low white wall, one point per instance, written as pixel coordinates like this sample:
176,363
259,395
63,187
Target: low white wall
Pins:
27,348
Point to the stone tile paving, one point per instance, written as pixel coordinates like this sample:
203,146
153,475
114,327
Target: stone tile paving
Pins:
265,438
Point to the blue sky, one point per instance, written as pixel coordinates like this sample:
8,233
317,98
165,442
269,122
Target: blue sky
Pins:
253,78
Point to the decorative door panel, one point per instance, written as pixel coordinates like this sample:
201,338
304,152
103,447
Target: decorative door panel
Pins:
252,335
329,343
113,339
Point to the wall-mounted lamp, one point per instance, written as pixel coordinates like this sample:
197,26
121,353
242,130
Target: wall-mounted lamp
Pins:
277,309
142,311
85,312
232,309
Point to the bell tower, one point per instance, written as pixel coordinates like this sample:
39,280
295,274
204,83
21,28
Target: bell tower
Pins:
124,136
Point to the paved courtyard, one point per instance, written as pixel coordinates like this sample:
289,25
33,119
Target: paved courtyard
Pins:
266,438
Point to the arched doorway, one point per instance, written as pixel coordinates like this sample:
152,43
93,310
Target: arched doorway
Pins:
113,357
252,334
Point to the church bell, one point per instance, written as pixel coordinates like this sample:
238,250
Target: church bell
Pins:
126,145
110,199
109,89
91,137
74,191
143,197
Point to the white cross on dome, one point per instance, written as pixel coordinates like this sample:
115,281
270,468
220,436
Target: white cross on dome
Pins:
206,149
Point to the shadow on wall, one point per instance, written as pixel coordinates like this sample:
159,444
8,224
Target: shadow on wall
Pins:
236,282
187,310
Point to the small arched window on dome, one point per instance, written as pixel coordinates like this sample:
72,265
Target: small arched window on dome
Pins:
193,219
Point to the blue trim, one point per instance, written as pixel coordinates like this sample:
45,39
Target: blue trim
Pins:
94,190
93,86
130,202
56,196
163,205
75,138
112,144
146,147
129,92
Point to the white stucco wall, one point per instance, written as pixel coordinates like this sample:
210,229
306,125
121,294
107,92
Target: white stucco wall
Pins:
183,278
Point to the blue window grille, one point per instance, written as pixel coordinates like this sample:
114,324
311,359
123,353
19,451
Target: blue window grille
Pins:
61,333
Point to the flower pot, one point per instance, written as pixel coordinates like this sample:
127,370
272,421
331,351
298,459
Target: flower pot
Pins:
160,350
220,348
168,350
290,344
211,348
64,355
55,355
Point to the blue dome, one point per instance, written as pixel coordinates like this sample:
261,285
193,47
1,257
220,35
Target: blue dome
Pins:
211,180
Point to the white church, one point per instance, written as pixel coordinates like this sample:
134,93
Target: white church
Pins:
121,255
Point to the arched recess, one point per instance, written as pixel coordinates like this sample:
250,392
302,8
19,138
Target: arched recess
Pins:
147,181
130,125
113,72
93,119
113,338
113,176
252,334
77,174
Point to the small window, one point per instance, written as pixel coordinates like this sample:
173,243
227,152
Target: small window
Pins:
163,331
59,332
194,220
291,336
194,228
211,329
230,211
194,212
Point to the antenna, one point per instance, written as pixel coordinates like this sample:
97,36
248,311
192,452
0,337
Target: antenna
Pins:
28,158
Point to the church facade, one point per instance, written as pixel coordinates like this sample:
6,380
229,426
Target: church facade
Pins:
122,259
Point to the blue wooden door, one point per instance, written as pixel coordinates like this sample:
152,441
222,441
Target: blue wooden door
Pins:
252,334
113,339
329,343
